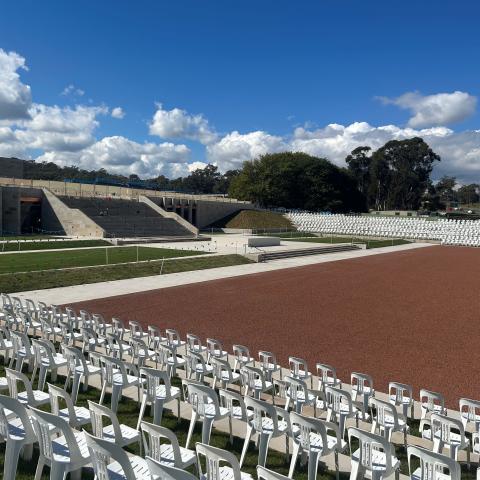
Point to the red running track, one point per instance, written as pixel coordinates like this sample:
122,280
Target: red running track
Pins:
409,316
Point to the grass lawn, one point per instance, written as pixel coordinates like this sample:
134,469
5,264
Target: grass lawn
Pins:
27,262
254,219
370,243
18,282
14,246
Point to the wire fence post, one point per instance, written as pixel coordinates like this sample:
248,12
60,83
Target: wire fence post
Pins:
161,267
106,255
137,253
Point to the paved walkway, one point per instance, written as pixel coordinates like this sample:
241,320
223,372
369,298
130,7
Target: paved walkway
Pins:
80,293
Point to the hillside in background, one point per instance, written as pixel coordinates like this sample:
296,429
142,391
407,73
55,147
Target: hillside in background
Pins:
254,219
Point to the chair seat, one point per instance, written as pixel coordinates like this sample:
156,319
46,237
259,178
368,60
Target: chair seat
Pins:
3,383
15,429
91,369
58,359
238,413
161,392
417,475
139,467
209,411
61,452
226,377
176,361
400,401
258,385
378,460
40,397
189,457
82,415
129,434
226,473
118,379
316,443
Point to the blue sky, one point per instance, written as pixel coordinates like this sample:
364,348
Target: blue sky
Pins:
277,72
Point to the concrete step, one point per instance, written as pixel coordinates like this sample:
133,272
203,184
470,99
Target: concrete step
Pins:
301,252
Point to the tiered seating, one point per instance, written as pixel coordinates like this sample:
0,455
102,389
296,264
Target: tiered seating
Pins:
448,231
335,419
126,218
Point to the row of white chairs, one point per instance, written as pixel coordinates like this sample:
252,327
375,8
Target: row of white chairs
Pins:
449,231
260,416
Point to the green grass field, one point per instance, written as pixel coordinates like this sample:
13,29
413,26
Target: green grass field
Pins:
254,219
27,262
15,246
25,281
371,243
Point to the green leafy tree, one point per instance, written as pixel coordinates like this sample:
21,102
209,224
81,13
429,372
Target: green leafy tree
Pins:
445,189
359,165
468,194
400,174
297,180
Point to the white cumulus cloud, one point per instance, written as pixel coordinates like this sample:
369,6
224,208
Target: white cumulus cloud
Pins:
434,110
178,123
118,113
15,96
73,91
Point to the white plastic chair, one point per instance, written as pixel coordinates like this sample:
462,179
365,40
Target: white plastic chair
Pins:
375,456
123,466
141,353
22,351
28,396
63,454
431,402
254,381
78,367
158,392
16,428
119,329
155,337
443,433
433,465
173,338
268,364
46,359
136,330
387,420
223,373
116,376
242,357
194,344
169,360
297,392
75,416
215,460
340,407
116,432
235,403
169,453
196,365
6,345
215,349
362,391
205,407
327,377
470,413
299,369
268,422
116,347
315,441
401,395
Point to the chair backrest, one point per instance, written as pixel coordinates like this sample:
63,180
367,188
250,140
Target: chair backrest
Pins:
42,422
57,393
199,396
431,401
136,329
74,358
470,412
250,376
154,336
166,472
193,360
384,412
97,413
241,353
13,406
369,446
337,397
266,474
214,458
13,377
118,327
214,347
152,436
173,337
193,342
20,340
262,410
101,452
167,355
443,427
229,399
399,392
361,383
221,367
307,426
433,465
139,348
295,386
267,360
154,378
327,375
298,366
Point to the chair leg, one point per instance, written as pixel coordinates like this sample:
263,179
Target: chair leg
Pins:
42,377
207,430
263,441
142,411
158,411
116,395
178,411
296,448
190,428
312,465
39,470
102,395
248,436
12,452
